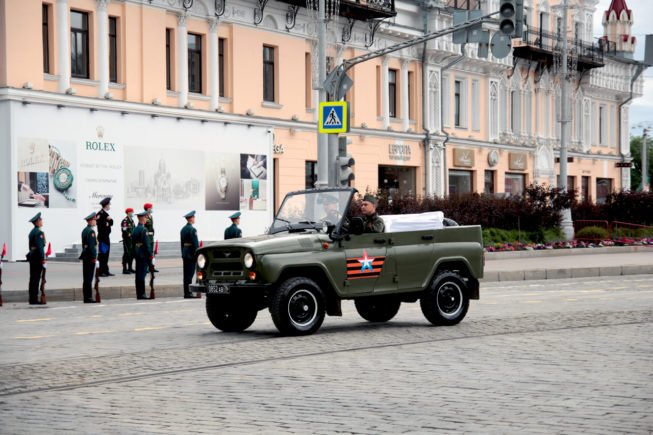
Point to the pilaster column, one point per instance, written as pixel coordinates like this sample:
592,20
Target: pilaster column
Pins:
404,96
182,60
63,45
214,70
385,95
103,47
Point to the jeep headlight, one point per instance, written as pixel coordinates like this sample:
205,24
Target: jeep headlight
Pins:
248,259
201,261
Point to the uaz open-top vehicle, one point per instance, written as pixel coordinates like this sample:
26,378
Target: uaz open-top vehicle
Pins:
315,255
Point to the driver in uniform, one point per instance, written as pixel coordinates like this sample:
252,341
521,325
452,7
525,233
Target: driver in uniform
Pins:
330,207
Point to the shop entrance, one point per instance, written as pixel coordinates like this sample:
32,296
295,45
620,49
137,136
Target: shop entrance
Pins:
397,180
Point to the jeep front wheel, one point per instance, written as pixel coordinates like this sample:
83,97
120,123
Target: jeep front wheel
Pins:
229,314
377,309
446,300
298,307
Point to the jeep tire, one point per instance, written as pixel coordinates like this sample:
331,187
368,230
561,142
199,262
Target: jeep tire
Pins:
229,314
298,306
446,300
377,309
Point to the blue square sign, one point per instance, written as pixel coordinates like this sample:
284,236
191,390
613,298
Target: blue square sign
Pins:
333,117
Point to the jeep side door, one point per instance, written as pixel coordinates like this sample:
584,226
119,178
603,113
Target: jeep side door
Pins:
367,265
413,252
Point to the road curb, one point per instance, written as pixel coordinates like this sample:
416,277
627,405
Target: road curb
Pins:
578,272
113,292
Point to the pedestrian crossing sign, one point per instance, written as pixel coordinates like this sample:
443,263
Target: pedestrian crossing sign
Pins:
333,117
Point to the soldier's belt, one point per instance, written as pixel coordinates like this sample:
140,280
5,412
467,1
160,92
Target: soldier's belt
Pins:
150,233
84,246
188,244
139,244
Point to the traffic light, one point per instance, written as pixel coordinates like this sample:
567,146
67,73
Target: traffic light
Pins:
507,16
519,19
344,163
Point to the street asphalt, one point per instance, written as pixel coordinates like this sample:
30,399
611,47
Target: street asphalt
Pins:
64,279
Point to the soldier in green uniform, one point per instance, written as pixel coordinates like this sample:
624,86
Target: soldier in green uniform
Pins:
189,245
149,223
36,258
127,226
89,257
373,223
142,253
233,232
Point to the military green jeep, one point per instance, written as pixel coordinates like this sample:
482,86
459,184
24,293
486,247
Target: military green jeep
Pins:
316,254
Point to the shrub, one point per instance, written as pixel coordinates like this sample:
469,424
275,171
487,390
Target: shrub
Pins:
592,233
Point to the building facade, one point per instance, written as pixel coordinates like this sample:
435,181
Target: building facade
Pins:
432,119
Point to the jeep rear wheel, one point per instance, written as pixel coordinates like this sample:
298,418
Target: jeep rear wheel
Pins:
298,307
446,300
377,309
229,314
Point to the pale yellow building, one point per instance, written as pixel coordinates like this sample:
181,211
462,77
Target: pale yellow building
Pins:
424,122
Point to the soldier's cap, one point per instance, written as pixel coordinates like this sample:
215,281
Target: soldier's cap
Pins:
90,216
190,214
325,198
36,217
370,198
105,201
147,205
235,215
129,210
141,214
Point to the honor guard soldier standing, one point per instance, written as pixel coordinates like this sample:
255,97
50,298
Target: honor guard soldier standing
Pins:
104,224
373,222
233,232
36,258
127,226
142,253
189,245
89,257
149,223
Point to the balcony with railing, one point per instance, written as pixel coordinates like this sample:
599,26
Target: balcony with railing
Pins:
546,48
360,10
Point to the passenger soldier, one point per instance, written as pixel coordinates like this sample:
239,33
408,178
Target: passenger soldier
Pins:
89,257
142,253
189,244
373,223
233,232
104,224
149,223
36,258
127,226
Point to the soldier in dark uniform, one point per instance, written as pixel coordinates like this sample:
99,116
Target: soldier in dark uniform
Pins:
189,245
89,257
104,224
127,226
373,223
36,258
330,206
233,232
142,253
149,223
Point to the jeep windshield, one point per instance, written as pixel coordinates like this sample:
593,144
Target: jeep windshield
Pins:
311,210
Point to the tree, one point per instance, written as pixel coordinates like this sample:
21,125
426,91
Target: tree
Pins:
636,152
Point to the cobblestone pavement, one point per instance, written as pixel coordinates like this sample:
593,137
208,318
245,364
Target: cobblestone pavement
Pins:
564,356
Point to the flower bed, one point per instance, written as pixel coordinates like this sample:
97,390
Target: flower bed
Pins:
517,246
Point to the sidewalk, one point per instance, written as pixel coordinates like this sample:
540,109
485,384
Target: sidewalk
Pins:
64,279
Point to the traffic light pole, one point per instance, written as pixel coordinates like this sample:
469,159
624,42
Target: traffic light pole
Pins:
567,225
323,169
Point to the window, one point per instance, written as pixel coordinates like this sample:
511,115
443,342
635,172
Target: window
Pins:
194,63
269,93
308,77
489,182
460,182
476,104
169,59
603,189
392,93
445,102
456,103
79,45
603,126
571,182
515,183
311,174
113,49
397,180
515,112
585,188
410,95
221,64
45,34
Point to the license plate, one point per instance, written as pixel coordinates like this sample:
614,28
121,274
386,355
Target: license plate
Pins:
217,289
